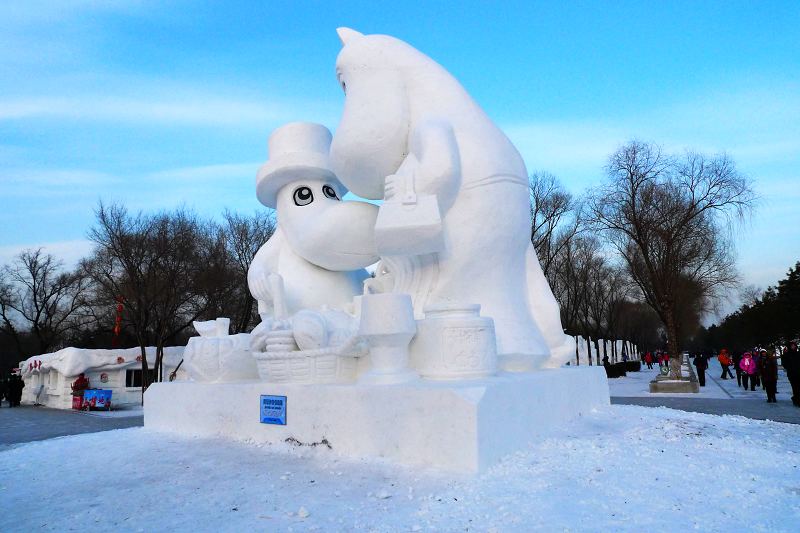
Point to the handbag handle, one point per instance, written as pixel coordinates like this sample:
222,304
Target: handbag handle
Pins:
409,195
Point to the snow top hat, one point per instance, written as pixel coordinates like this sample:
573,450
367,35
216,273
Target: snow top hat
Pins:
297,151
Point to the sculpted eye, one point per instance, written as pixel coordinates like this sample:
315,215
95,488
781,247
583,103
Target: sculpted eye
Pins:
329,191
303,196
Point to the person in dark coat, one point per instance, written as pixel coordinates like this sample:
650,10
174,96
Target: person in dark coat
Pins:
15,391
791,364
757,360
768,368
3,390
701,364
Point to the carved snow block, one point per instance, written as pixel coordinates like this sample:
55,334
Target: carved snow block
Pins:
460,426
454,342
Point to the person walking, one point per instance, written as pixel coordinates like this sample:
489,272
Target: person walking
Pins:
757,360
791,364
701,363
768,368
648,359
15,391
737,358
725,362
3,390
748,367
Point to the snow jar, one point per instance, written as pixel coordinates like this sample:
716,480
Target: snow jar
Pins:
454,342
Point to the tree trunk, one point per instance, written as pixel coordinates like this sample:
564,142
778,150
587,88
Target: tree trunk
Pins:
145,373
589,349
158,366
675,358
597,351
577,354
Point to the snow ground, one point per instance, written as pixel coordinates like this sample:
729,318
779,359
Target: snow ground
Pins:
623,468
124,412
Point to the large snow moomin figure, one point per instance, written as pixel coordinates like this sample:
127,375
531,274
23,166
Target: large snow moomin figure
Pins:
455,223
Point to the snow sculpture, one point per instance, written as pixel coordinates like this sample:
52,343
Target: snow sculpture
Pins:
216,356
455,342
454,228
458,292
387,323
306,276
321,244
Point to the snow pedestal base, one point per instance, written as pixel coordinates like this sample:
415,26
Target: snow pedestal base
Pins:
688,384
461,426
669,385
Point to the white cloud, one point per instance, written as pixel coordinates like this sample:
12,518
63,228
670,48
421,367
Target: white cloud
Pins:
206,172
755,126
47,183
38,11
158,109
69,252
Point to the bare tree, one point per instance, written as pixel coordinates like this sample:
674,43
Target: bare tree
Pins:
124,267
670,219
555,219
751,294
168,269
39,297
243,237
638,323
605,290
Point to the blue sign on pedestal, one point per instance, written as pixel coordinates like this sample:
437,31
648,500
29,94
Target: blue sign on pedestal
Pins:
273,410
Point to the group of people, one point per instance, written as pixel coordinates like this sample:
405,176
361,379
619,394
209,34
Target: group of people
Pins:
757,368
662,358
11,390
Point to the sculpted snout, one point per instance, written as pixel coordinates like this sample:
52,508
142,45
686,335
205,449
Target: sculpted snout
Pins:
343,238
327,232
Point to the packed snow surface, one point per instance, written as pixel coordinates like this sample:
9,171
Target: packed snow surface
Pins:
624,468
73,361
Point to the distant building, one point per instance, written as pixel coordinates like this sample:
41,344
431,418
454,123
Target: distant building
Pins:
48,377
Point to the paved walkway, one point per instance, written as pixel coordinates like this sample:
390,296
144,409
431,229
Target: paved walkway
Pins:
718,397
26,424
783,411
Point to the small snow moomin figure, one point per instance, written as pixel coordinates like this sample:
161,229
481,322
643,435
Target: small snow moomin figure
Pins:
306,276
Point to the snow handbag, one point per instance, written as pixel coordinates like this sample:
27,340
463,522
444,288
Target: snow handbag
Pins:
409,223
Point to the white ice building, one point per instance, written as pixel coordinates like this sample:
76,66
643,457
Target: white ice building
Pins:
48,377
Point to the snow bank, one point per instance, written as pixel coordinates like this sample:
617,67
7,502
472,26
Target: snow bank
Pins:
623,468
74,361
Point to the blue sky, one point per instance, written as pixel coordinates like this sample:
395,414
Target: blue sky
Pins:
157,104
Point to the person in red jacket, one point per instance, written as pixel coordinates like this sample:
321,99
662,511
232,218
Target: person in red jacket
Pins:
725,362
80,385
748,366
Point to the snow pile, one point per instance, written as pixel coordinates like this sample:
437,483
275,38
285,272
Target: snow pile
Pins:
624,468
74,361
